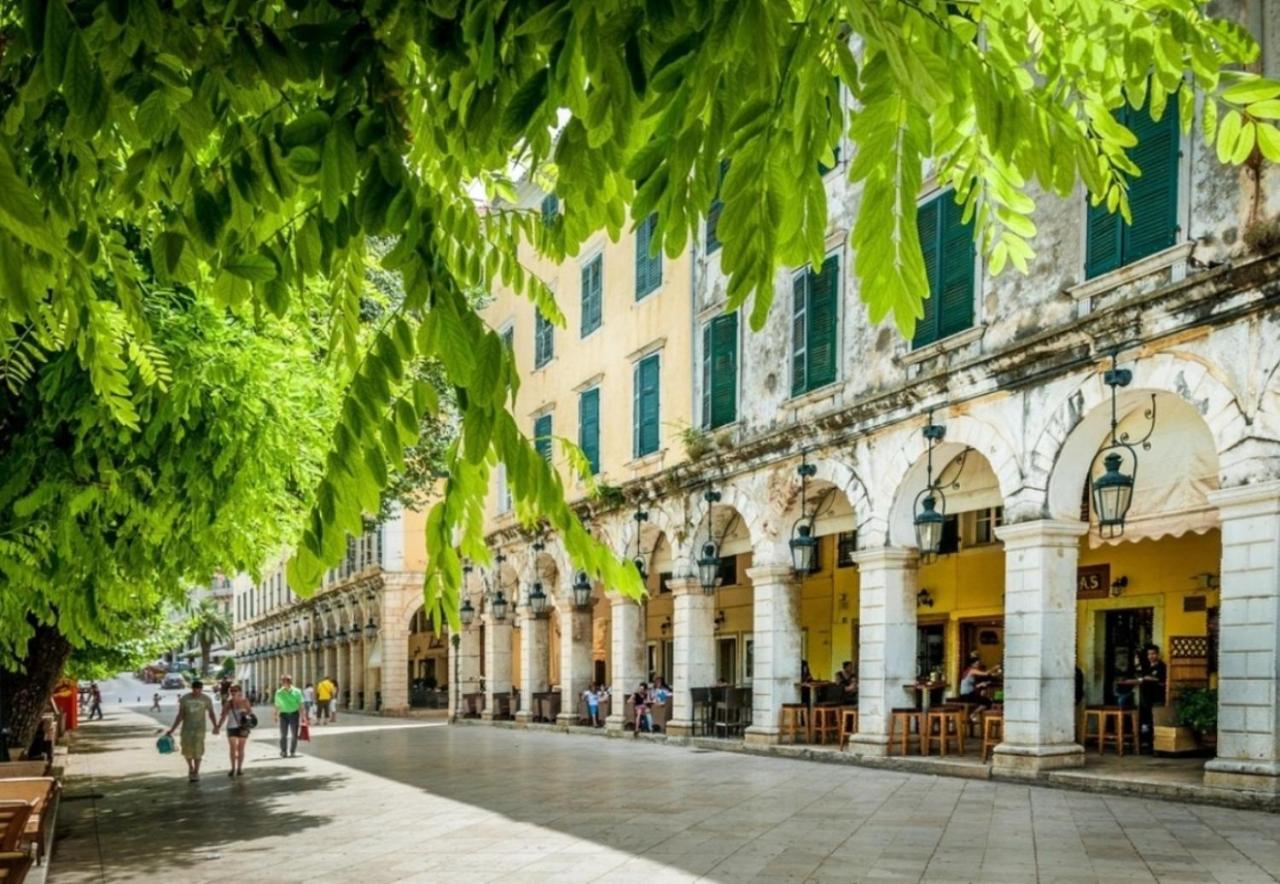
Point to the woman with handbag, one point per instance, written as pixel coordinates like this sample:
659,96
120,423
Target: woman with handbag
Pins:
240,711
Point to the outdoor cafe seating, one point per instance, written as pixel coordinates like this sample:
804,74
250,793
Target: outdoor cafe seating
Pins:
721,710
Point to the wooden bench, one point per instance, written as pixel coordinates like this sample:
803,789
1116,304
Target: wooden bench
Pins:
43,793
14,816
11,769
14,865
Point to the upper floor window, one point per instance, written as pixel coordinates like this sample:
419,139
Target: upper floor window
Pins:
815,311
589,427
509,338
645,407
713,213
1110,243
947,243
542,436
503,489
544,340
720,371
648,260
550,208
592,294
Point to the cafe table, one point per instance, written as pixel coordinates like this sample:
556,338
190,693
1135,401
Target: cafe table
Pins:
925,689
815,687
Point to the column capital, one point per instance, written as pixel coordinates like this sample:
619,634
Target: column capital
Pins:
685,586
617,597
886,557
1042,532
772,574
1243,501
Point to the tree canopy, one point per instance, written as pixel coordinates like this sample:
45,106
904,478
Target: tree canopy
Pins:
257,150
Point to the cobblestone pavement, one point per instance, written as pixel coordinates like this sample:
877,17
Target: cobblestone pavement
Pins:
382,800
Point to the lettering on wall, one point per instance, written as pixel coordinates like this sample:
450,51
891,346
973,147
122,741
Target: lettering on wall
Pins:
1093,581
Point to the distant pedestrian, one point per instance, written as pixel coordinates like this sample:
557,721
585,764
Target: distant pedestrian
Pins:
155,702
337,694
309,694
324,700
192,709
290,712
95,703
592,696
239,710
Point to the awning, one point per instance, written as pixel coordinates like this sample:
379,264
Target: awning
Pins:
375,656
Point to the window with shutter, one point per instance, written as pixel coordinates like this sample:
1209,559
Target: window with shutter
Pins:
713,213
592,294
543,339
720,371
1153,197
509,338
947,244
645,410
815,321
550,209
589,427
542,436
648,266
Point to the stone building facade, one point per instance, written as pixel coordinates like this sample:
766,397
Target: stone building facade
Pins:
1016,375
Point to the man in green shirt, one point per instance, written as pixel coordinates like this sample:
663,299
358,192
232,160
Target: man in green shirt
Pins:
289,710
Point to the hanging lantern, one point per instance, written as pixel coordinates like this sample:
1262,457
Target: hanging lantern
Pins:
466,613
371,629
329,639
1113,490
709,561
499,606
931,503
582,591
640,561
804,545
537,599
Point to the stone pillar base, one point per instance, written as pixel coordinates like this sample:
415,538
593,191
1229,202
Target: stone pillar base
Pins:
615,723
567,719
761,736
1248,776
1028,761
488,715
873,745
524,716
676,728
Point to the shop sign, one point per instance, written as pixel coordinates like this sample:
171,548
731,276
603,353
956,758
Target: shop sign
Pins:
1093,581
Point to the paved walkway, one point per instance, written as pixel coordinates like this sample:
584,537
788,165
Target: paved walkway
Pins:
378,800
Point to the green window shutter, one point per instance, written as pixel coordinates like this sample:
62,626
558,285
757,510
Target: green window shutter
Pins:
550,209
645,435
648,267
822,324
799,335
509,339
722,398
542,436
1102,251
706,376
928,223
589,427
1153,195
544,339
713,213
592,294
955,303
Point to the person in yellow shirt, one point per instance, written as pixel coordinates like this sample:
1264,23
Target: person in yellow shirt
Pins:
324,700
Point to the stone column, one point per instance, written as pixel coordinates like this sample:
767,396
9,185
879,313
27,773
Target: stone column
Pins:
1039,647
342,673
533,661
627,652
464,668
776,648
575,659
370,678
1249,641
357,672
497,663
694,627
886,641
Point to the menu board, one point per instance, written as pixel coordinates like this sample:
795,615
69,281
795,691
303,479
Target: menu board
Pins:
1093,581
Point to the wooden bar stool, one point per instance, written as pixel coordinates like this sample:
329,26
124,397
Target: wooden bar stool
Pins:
848,724
1093,716
904,718
1118,726
794,723
992,731
826,723
945,725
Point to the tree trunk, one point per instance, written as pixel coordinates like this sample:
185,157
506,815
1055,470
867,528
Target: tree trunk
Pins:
205,649
24,696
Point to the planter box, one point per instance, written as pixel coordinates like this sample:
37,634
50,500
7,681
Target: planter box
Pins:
1173,740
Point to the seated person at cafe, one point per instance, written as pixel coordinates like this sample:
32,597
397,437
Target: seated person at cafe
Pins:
847,679
661,693
640,702
974,680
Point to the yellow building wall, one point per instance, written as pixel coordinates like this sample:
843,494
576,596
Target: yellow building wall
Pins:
415,540
605,358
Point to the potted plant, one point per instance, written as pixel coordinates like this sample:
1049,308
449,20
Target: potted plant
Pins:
1197,708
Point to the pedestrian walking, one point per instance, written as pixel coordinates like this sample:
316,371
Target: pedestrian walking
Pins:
337,695
237,713
155,702
309,695
324,700
192,709
289,713
95,705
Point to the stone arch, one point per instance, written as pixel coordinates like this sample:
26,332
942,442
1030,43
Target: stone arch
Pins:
1178,375
738,498
907,463
834,485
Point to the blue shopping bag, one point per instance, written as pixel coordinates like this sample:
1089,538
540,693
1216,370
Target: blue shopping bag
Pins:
165,744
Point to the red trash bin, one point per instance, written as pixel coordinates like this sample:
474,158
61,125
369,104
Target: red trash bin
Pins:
66,698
